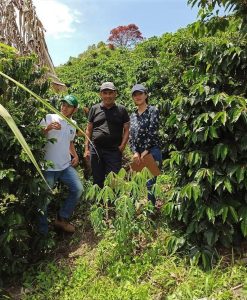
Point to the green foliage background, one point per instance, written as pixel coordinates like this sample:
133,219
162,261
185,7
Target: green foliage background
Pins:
197,78
20,185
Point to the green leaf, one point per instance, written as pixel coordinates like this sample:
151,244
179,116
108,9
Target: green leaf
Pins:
240,174
223,152
188,191
244,226
208,67
174,243
224,213
212,132
218,182
168,209
204,173
243,217
236,113
191,227
106,194
122,173
201,120
176,157
196,191
210,214
9,173
9,120
211,237
228,185
231,170
220,151
191,191
93,192
135,189
171,120
194,157
243,143
222,116
205,260
210,174
205,136
233,213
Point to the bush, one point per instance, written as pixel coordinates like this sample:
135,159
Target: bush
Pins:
20,186
209,149
122,207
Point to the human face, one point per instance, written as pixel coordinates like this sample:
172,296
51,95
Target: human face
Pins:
108,97
139,98
67,110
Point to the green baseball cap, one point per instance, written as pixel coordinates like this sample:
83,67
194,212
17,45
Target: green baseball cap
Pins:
71,100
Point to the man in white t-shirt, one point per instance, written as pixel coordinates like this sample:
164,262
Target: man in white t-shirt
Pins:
59,152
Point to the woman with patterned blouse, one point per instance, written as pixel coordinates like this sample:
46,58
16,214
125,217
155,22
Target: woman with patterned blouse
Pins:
144,126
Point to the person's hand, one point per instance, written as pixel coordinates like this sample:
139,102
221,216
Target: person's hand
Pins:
87,154
53,125
136,158
145,152
121,148
75,161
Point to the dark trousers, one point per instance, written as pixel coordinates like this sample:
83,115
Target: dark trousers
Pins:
105,162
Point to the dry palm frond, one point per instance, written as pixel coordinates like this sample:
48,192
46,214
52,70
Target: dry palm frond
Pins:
21,28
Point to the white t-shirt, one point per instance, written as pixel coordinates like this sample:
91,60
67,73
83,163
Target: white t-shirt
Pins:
58,151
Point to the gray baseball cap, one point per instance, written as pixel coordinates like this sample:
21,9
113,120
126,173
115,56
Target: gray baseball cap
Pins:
107,86
138,88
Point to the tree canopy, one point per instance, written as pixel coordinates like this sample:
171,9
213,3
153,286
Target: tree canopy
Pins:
125,36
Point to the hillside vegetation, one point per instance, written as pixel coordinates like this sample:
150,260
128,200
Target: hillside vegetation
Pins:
193,247
199,84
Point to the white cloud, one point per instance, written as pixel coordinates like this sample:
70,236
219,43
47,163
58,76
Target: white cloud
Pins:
58,19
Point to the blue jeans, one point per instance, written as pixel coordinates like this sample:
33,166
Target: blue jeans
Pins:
157,155
70,178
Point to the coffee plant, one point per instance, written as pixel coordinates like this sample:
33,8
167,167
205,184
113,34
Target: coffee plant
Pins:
209,154
20,184
197,78
122,207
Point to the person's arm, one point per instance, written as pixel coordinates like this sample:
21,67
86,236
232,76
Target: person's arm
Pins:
89,131
47,127
52,125
132,143
75,159
145,152
125,137
152,131
136,158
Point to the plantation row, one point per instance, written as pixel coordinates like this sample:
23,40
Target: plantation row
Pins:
197,78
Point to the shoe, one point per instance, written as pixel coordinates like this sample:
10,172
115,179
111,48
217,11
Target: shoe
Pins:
64,225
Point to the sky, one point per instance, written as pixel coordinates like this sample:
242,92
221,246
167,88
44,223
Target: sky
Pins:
74,25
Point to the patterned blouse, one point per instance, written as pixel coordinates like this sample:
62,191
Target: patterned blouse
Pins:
144,129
